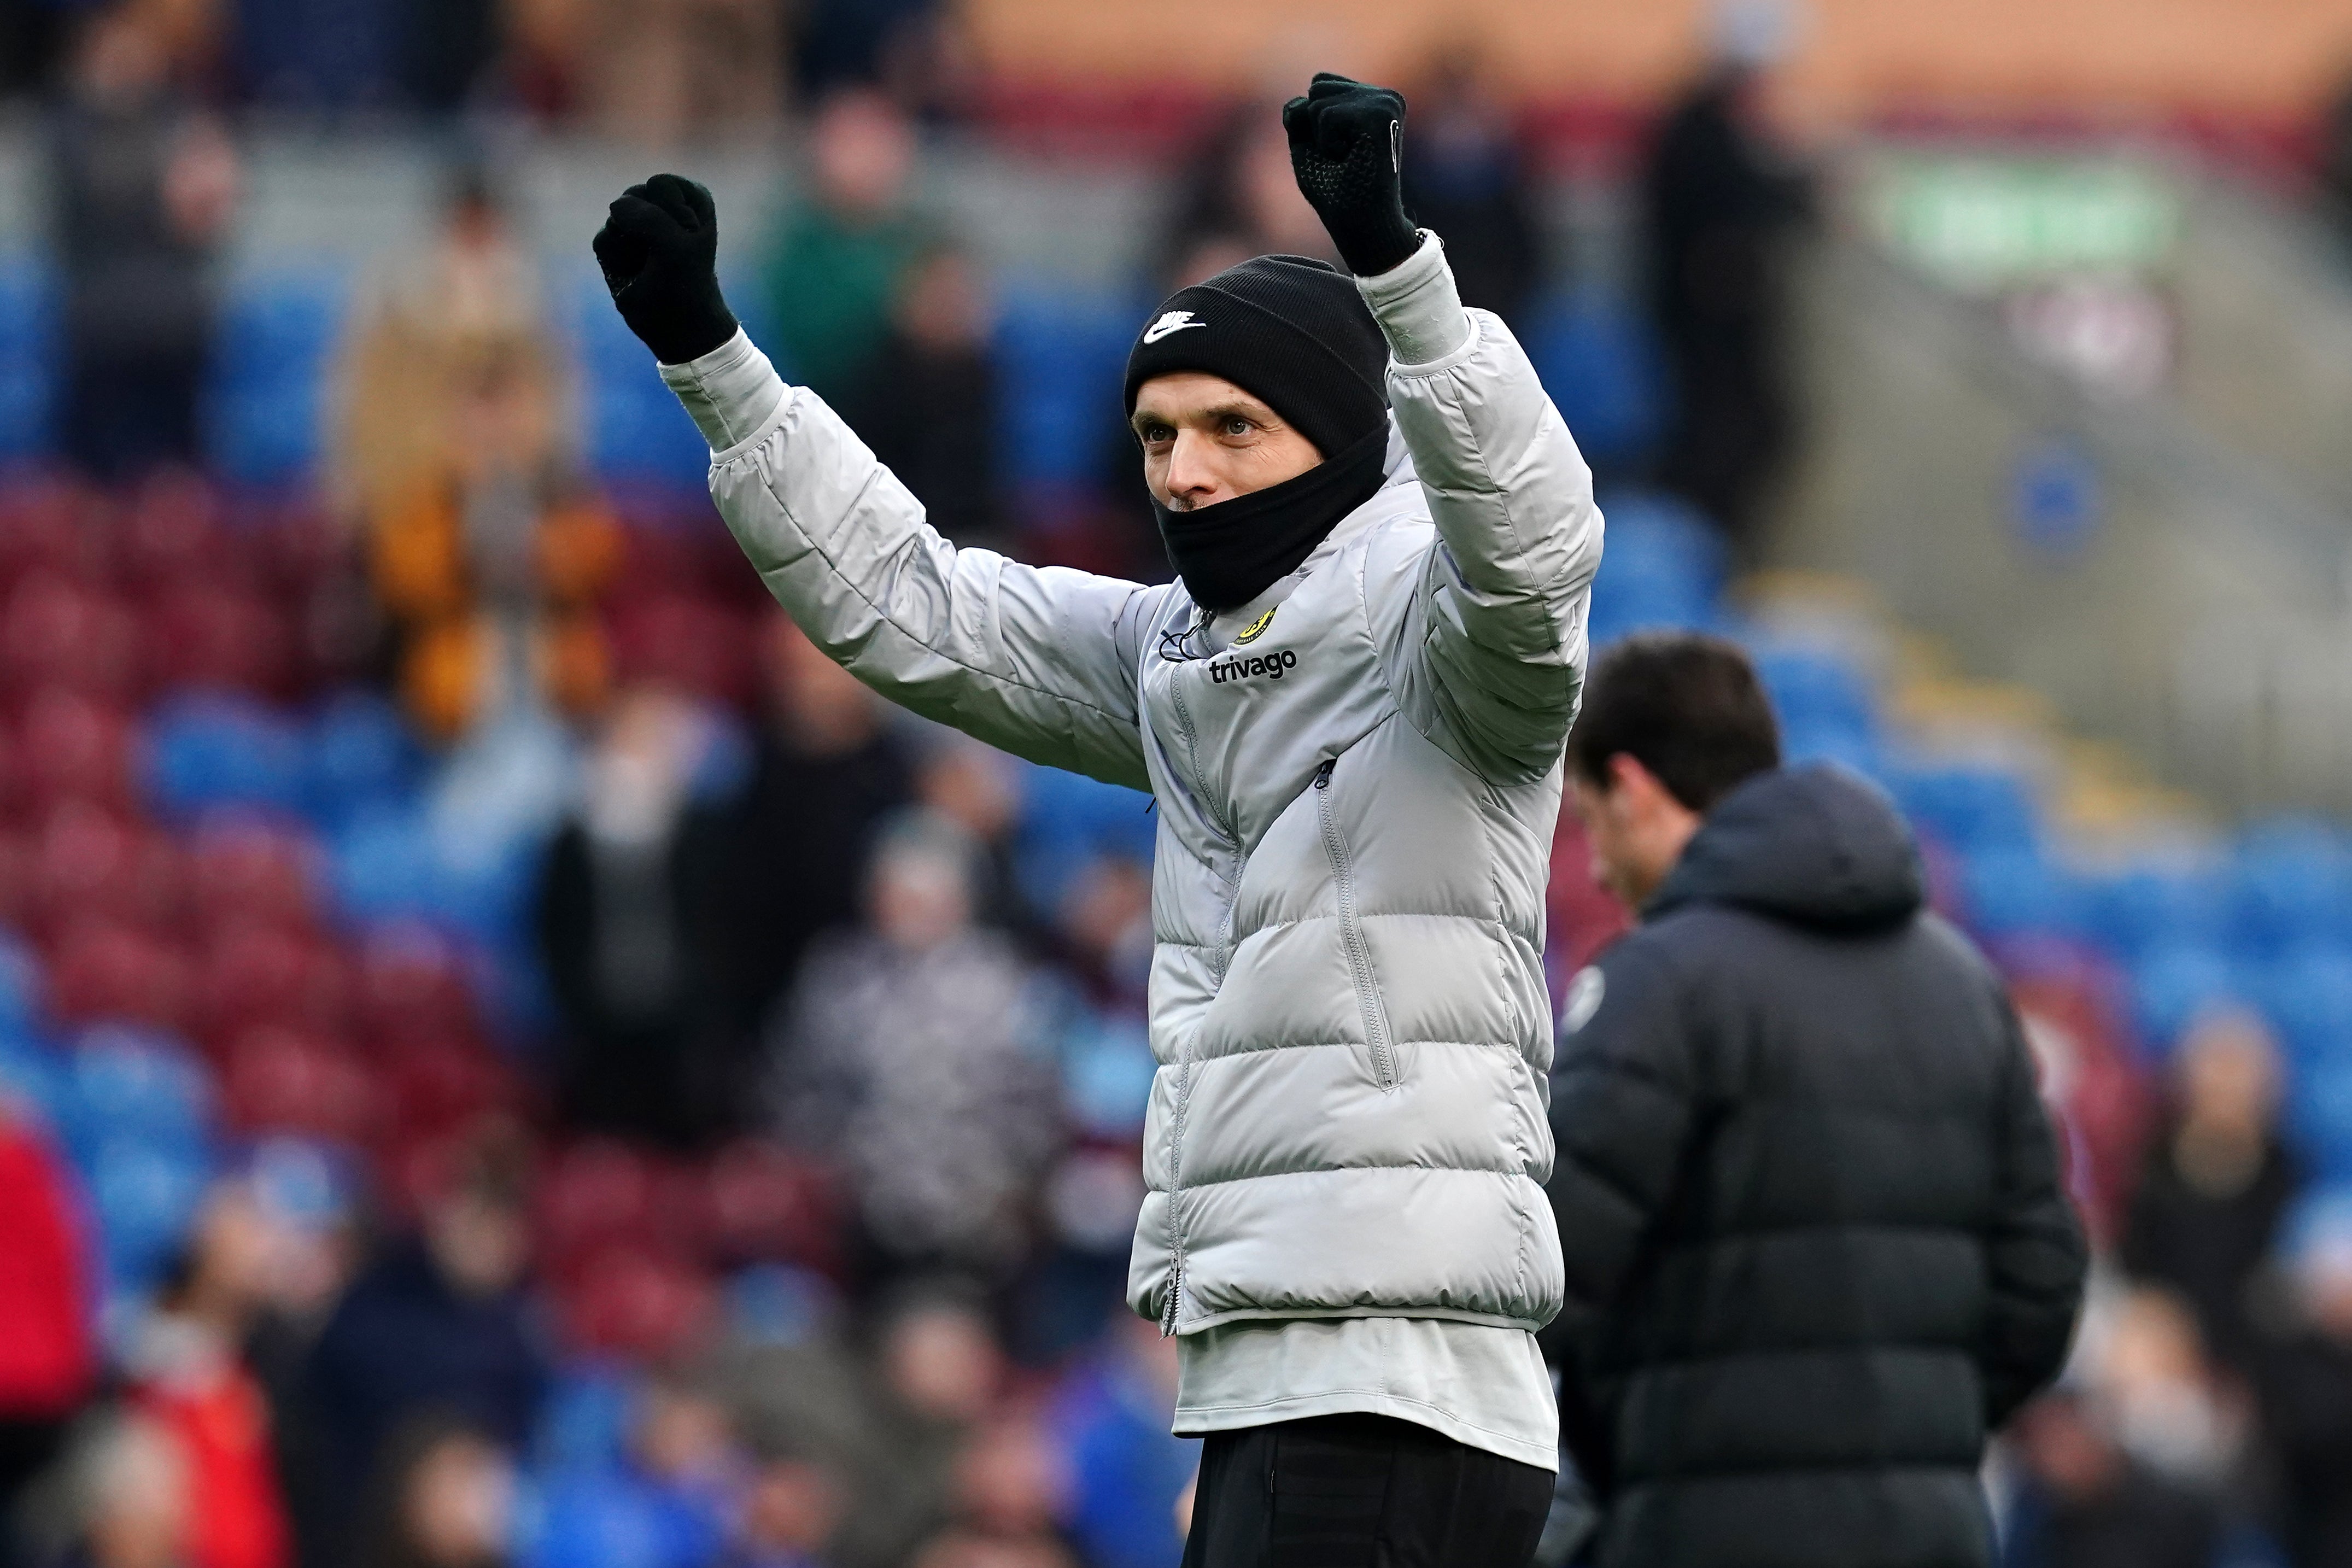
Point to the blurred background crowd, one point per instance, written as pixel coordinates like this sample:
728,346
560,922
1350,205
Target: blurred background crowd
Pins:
509,1058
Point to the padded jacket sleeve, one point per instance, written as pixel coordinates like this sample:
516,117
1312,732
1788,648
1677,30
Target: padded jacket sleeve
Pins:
2034,1252
1495,658
1623,1112
1040,661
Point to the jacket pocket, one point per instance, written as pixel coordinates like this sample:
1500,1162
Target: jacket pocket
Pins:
1352,933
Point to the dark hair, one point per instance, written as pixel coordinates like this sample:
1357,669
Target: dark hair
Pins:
1686,707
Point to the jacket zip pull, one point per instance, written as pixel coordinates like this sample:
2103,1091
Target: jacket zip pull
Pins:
1323,773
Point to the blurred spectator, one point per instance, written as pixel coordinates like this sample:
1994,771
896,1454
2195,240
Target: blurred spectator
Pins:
972,790
484,548
654,74
144,188
2158,1395
795,846
1464,178
846,246
2082,1502
1111,1416
903,1056
2306,1389
617,903
134,1496
1009,1487
48,1365
1236,199
442,1497
438,1323
941,1372
791,1508
666,1506
186,1370
2217,1179
1720,200
927,403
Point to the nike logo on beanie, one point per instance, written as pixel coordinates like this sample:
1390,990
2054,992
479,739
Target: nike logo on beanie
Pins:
1173,321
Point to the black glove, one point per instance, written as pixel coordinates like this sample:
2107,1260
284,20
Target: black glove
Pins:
659,250
1347,147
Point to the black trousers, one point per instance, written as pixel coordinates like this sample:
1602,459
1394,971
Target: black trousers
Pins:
1361,1491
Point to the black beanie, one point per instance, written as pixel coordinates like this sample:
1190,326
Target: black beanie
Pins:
1289,330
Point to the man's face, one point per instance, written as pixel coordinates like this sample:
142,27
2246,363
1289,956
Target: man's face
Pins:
1206,440
1608,838
1636,829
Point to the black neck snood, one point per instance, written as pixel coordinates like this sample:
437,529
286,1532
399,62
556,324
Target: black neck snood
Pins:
1231,552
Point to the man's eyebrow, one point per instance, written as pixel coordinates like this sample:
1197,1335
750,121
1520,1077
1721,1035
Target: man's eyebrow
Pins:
1256,413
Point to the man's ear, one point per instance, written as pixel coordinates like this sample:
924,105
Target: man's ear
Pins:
1630,781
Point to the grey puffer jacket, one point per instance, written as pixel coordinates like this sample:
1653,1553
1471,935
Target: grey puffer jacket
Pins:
1358,777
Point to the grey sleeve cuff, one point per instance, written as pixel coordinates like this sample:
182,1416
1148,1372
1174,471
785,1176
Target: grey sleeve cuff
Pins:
1417,305
730,392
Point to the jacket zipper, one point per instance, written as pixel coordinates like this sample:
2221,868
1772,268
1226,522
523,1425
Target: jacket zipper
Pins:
1352,933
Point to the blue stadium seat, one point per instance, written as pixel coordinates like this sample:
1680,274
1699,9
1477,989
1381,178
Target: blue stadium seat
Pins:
633,429
383,866
29,368
360,755
2172,985
215,751
267,400
2148,906
2308,994
2017,891
1970,808
146,1196
1599,360
1665,567
139,1085
2293,885
1060,357
583,1422
1067,820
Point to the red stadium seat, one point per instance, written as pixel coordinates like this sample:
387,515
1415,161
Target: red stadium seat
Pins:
55,632
251,973
172,532
241,867
90,862
440,1087
412,989
691,642
219,638
283,1080
71,747
768,1205
56,526
639,1304
104,970
595,1194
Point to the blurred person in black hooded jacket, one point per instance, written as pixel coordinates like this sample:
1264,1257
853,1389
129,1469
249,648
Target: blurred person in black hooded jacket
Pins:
1816,1243
143,186
2305,1388
1721,200
1465,177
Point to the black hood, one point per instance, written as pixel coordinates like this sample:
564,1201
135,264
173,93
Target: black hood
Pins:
1814,845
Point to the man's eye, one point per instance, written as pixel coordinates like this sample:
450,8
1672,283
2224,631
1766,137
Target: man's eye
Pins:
1237,425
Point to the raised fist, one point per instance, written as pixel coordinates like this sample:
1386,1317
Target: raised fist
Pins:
659,251
1347,147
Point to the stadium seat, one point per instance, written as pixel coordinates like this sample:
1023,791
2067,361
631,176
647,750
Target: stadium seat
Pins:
411,988
643,1304
696,644
1971,809
247,867
29,370
266,401
211,637
583,1421
441,1087
212,749
1598,359
360,756
2011,892
278,1079
139,1084
767,1205
103,971
601,1194
2294,886
71,747
58,633
2172,985
1059,358
90,863
145,1196
252,974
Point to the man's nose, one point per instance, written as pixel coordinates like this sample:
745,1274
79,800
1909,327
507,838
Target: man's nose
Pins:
1189,472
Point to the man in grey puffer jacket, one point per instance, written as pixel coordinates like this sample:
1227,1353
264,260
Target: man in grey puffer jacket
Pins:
1351,710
